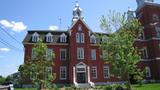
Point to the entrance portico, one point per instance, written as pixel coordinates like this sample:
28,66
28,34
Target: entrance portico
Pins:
80,73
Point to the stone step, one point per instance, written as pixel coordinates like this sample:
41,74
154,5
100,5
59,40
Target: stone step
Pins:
83,85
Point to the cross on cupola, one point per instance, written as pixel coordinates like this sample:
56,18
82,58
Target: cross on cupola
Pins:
77,12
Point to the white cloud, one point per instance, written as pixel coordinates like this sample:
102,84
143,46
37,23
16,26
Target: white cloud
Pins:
15,26
53,28
5,23
4,49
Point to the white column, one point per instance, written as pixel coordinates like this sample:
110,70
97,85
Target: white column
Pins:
74,76
88,74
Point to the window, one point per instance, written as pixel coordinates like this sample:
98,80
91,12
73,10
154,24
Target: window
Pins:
148,72
63,73
142,36
93,39
63,38
93,54
94,72
158,31
63,54
48,72
106,72
104,39
155,18
80,37
49,37
35,37
144,53
79,27
104,54
49,54
33,56
80,53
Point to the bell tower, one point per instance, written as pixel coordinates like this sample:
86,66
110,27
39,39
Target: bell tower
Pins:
149,43
77,12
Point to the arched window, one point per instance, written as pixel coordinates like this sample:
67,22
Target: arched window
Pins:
93,39
63,38
49,37
35,37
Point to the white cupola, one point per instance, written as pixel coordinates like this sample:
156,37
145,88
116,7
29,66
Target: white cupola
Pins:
77,12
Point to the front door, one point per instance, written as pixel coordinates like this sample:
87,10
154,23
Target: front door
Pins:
81,77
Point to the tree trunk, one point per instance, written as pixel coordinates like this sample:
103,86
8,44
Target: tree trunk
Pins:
129,87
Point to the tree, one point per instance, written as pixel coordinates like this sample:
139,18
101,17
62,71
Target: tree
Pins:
122,54
2,80
39,66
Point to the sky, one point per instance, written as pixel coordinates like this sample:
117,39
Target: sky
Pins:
19,16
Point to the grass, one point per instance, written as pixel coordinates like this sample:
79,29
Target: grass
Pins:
155,86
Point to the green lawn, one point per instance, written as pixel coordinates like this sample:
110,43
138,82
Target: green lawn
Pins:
135,87
147,87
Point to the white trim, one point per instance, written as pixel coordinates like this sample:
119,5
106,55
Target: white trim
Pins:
157,58
63,37
65,50
95,68
93,54
35,37
106,67
148,71
65,70
80,53
82,22
49,37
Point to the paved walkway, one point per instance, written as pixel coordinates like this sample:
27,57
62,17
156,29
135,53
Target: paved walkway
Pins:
3,87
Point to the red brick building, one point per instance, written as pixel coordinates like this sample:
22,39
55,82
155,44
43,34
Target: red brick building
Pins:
148,14
79,58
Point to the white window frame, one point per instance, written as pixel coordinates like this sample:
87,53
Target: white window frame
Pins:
104,54
93,54
65,72
157,32
144,53
35,37
80,37
94,71
104,39
106,74
49,54
79,27
49,37
63,38
63,50
33,54
77,37
93,39
47,71
148,71
80,53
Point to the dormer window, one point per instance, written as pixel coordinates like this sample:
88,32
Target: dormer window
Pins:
63,38
104,39
93,39
158,31
49,37
35,37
